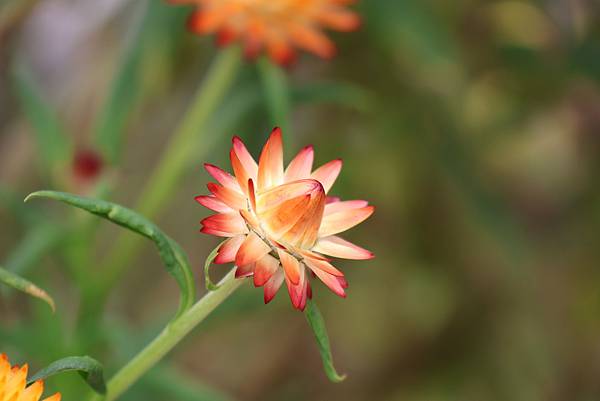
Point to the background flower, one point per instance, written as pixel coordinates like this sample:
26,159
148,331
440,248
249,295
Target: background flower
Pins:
277,27
13,386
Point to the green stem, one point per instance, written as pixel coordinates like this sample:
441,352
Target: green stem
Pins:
179,152
168,339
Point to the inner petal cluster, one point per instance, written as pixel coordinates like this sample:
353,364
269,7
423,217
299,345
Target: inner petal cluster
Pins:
280,223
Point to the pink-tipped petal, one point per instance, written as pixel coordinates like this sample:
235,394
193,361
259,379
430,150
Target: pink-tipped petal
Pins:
222,177
217,233
345,205
270,164
264,270
297,291
290,265
231,223
272,286
229,249
244,157
332,199
328,173
327,267
331,281
301,166
211,202
244,271
340,248
342,221
231,198
252,249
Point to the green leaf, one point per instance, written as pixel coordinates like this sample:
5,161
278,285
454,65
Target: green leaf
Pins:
317,324
173,257
17,282
210,286
52,142
277,96
90,369
123,93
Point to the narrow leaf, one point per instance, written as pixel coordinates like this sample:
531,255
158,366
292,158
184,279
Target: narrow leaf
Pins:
317,324
210,286
17,282
277,95
52,142
123,94
90,369
173,257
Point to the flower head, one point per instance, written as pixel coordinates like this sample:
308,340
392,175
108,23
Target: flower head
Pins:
281,224
13,381
278,26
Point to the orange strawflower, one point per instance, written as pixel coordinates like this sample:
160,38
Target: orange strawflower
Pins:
13,381
280,222
278,26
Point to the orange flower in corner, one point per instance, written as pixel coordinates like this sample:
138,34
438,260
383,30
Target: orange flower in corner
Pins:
13,382
278,26
281,223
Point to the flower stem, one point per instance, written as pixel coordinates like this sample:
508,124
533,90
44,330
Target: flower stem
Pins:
181,148
168,339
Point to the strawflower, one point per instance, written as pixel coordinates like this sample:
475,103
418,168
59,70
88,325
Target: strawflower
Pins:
13,384
277,26
281,224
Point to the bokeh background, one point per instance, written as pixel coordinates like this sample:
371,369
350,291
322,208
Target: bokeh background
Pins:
472,125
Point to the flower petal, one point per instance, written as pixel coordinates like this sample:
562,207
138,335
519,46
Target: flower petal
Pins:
301,166
244,271
244,157
322,265
55,397
342,221
280,219
231,223
311,39
211,202
275,196
340,248
338,19
291,266
345,205
32,392
331,281
272,286
229,249
231,198
264,270
270,164
222,177
252,249
328,173
304,232
298,292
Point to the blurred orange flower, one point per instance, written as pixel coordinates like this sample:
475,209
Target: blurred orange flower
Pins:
13,382
275,25
280,222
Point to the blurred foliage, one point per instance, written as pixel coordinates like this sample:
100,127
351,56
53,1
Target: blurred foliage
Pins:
472,125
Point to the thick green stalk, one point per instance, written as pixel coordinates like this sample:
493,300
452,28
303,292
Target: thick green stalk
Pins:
168,339
181,148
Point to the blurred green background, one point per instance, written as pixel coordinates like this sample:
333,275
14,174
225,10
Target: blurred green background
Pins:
472,125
